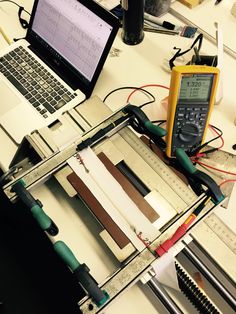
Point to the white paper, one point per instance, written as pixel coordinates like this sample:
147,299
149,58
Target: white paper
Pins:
165,267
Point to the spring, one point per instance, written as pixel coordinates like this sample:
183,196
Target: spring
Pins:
193,293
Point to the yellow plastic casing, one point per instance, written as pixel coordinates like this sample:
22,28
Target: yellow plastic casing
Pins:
175,84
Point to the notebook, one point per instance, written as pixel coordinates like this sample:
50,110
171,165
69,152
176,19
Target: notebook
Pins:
56,66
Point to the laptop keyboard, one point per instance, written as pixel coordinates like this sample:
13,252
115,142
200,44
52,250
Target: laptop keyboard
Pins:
34,82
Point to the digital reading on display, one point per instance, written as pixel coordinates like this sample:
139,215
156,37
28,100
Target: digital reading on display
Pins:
196,87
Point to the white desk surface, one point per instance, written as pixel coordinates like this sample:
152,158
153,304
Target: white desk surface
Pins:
218,13
135,66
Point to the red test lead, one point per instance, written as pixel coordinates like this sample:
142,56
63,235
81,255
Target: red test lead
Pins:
180,232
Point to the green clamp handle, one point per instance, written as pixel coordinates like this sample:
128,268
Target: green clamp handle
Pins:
66,255
198,178
185,161
141,124
81,271
155,129
44,221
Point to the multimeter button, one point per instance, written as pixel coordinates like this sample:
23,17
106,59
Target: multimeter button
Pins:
197,109
180,114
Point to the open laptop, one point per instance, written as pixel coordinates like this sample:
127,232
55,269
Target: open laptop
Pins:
56,66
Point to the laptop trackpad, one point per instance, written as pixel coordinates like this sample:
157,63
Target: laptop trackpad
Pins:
17,118
9,99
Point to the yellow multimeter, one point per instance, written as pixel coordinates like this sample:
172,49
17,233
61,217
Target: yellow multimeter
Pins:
191,100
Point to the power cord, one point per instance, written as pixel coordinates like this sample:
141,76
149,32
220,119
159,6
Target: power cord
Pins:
134,88
23,22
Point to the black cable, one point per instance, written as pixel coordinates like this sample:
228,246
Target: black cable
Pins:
194,152
159,122
130,87
218,136
16,5
147,103
22,21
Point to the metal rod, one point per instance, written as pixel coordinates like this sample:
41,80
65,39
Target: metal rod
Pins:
163,296
211,278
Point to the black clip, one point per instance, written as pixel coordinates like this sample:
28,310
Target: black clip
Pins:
23,22
198,179
142,125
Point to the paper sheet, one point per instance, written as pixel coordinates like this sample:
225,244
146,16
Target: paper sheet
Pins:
165,267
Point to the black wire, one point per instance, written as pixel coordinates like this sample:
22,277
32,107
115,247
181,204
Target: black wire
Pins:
19,6
131,87
159,122
147,103
208,142
218,136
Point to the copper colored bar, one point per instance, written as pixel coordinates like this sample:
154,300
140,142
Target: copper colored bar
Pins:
115,232
131,191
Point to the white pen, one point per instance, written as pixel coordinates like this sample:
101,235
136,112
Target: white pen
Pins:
158,21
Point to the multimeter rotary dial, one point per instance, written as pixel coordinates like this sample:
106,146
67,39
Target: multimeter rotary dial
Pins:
189,133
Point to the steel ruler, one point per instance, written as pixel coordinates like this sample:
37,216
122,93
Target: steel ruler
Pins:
176,184
224,233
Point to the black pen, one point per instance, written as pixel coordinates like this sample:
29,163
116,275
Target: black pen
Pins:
217,2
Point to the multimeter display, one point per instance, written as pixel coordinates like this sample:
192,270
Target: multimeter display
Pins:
191,99
195,87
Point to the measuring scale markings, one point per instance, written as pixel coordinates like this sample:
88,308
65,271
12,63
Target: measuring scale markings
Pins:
225,234
159,167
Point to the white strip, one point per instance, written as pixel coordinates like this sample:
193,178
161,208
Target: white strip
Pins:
113,198
162,207
120,254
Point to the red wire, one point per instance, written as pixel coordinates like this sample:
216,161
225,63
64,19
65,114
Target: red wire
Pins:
226,181
214,168
147,85
220,136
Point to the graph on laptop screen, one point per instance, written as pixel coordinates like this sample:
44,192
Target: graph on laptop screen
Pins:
75,32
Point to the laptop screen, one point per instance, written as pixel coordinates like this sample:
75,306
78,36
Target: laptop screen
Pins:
78,34
74,31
